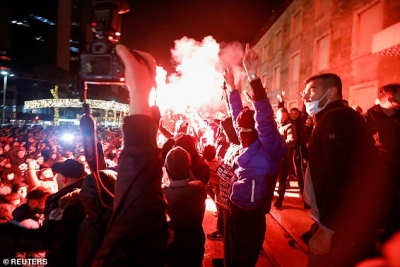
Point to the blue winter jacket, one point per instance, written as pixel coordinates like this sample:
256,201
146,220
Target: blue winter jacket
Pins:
257,167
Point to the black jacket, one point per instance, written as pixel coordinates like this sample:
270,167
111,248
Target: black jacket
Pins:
98,212
186,207
386,132
137,234
344,169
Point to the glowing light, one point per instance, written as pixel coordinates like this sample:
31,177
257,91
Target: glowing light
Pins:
44,20
67,137
196,85
76,103
39,38
54,93
21,23
210,205
194,92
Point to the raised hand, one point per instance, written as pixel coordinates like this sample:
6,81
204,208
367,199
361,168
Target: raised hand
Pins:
229,79
280,96
140,71
250,61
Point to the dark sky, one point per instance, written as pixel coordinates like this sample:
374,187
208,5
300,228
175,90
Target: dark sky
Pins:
154,25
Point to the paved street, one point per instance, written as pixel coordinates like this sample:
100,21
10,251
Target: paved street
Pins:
214,249
282,245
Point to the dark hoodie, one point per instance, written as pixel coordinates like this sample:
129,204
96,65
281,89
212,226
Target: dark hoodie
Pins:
186,207
199,167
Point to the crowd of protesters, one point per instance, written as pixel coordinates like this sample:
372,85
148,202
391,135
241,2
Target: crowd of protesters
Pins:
28,153
147,207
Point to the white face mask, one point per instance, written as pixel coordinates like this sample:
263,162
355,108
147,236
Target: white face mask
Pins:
313,108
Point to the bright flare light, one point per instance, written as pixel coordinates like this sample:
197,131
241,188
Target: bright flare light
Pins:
196,85
67,137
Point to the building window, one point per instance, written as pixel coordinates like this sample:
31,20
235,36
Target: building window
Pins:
276,79
296,24
321,56
295,68
363,94
264,53
278,41
366,22
321,6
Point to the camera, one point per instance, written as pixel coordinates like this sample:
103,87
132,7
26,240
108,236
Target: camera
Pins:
100,62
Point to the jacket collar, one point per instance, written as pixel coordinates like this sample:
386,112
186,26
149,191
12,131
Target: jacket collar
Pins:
332,105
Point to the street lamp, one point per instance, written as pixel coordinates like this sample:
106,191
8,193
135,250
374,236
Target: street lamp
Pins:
5,74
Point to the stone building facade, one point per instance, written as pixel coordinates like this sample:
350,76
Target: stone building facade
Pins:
357,39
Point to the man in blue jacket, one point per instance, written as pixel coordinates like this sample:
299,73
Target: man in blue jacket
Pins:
255,169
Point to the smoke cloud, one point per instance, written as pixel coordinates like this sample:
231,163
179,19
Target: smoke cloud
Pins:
196,84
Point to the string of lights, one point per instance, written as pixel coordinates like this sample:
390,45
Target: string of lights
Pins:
54,93
76,103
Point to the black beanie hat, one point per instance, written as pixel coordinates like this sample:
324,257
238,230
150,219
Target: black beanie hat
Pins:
177,164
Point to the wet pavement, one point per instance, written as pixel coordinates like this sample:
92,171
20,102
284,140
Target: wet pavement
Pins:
282,245
214,249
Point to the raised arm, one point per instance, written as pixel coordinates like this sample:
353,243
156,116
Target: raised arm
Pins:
281,101
234,99
266,126
31,176
137,232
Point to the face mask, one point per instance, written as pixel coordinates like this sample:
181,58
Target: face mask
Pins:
313,108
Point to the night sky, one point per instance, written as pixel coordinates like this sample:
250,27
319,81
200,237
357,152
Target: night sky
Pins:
154,25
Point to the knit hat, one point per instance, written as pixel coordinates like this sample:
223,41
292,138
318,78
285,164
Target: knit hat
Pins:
245,120
177,164
69,168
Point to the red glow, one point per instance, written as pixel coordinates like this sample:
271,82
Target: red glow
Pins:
196,85
194,91
5,58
